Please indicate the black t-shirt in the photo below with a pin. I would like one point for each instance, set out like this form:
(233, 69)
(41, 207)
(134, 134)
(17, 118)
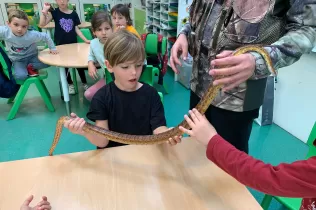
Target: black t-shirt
(65, 27)
(137, 113)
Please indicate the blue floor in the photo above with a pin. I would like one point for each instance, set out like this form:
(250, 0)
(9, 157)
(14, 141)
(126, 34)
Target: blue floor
(30, 134)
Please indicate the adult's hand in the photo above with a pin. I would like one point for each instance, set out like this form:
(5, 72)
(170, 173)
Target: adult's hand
(235, 69)
(180, 47)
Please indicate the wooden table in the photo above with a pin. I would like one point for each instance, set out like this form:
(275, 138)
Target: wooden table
(51, 25)
(128, 177)
(70, 56)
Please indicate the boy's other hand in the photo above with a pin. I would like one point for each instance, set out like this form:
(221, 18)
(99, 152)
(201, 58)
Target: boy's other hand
(175, 140)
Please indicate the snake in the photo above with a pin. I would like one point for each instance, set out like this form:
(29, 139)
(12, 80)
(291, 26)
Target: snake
(163, 137)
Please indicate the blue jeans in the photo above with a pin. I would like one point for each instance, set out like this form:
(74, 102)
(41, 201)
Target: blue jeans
(20, 71)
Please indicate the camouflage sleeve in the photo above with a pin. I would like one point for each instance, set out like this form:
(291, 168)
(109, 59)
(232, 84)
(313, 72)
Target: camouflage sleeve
(299, 39)
(186, 29)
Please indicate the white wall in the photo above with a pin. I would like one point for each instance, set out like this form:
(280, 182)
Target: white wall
(295, 97)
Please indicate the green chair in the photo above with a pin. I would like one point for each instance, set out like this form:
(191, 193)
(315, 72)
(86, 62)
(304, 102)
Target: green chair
(152, 49)
(24, 85)
(34, 21)
(28, 8)
(161, 96)
(87, 33)
(71, 7)
(148, 75)
(293, 203)
(88, 11)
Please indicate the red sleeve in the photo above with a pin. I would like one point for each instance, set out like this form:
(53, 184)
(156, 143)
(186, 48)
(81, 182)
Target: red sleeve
(289, 180)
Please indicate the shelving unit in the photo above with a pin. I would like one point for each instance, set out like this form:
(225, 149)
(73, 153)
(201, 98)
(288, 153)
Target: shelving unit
(162, 18)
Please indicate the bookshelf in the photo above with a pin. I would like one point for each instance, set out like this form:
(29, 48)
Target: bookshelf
(162, 18)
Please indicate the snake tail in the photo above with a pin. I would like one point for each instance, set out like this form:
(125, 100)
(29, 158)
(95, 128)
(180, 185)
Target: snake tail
(58, 131)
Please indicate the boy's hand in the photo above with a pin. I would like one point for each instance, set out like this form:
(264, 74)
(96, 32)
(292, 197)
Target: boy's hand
(202, 130)
(54, 52)
(92, 70)
(46, 8)
(43, 205)
(75, 124)
(175, 140)
(87, 41)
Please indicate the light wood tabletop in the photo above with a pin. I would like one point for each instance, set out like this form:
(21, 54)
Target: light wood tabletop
(70, 56)
(129, 177)
(51, 25)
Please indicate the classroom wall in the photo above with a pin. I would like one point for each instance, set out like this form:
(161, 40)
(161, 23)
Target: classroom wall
(140, 20)
(295, 97)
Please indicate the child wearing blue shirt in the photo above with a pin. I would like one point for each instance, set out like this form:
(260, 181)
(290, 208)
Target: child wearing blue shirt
(102, 29)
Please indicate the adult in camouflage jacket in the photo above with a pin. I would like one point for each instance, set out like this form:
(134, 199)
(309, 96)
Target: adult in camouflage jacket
(286, 29)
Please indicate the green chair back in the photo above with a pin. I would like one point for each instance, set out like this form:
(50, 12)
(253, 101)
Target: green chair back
(151, 44)
(3, 63)
(28, 8)
(148, 75)
(87, 33)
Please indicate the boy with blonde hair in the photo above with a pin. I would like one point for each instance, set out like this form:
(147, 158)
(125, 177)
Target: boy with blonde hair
(124, 105)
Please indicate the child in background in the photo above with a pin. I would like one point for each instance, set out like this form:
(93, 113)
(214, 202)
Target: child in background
(121, 18)
(66, 31)
(287, 180)
(102, 29)
(22, 45)
(124, 105)
(43, 205)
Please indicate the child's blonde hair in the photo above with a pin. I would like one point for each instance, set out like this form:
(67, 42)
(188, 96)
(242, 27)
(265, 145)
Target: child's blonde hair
(123, 46)
(16, 13)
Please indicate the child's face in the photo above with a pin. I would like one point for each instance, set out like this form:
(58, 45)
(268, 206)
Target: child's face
(62, 4)
(126, 74)
(118, 20)
(103, 32)
(18, 26)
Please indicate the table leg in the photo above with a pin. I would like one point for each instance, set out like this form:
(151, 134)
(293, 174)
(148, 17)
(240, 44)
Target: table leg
(64, 85)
